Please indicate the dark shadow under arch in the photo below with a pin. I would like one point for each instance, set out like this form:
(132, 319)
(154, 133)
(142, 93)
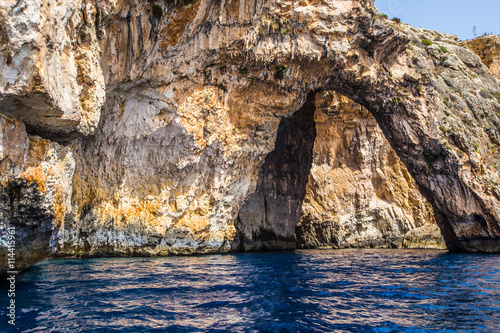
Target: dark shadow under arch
(267, 220)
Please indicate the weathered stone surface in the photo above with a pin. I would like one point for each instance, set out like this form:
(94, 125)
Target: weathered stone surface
(268, 218)
(35, 192)
(488, 49)
(359, 193)
(427, 236)
(195, 94)
(165, 179)
(50, 75)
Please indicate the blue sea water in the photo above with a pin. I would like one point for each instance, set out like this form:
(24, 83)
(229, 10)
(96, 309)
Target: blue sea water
(301, 291)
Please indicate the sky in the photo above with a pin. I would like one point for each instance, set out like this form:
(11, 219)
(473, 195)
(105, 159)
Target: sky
(455, 17)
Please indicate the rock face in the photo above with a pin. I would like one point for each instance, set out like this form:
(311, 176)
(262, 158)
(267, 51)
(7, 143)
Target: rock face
(35, 192)
(268, 218)
(50, 76)
(359, 193)
(195, 92)
(488, 49)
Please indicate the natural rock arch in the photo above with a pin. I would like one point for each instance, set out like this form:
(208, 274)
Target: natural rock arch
(465, 204)
(409, 94)
(431, 102)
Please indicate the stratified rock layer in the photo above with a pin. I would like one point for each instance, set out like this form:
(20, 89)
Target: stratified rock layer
(195, 93)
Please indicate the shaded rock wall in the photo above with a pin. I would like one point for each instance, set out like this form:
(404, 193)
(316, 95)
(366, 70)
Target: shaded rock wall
(268, 218)
(35, 193)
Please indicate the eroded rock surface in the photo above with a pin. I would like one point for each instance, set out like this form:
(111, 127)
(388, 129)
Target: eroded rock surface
(195, 92)
(35, 193)
(50, 75)
(359, 194)
(488, 49)
(268, 218)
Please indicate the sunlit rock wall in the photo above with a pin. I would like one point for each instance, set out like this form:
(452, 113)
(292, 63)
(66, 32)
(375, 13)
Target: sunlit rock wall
(488, 49)
(359, 193)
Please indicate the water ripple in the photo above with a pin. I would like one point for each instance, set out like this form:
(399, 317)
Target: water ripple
(302, 291)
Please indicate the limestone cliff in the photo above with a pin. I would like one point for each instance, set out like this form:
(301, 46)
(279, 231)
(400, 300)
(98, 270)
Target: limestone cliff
(170, 109)
(35, 192)
(50, 77)
(488, 49)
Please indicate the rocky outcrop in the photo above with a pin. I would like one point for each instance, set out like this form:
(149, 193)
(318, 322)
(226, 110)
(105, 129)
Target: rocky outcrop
(195, 92)
(50, 76)
(488, 49)
(35, 193)
(359, 193)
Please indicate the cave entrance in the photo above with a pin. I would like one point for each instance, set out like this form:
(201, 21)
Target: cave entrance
(267, 220)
